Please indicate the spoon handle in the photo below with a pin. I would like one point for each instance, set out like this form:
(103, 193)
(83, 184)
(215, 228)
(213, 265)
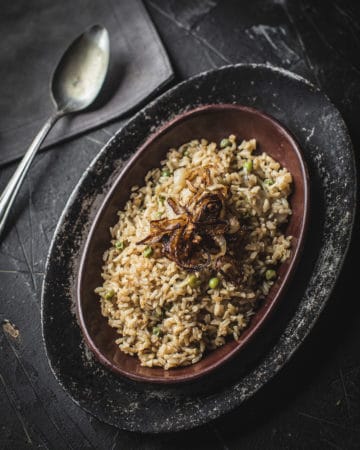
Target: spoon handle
(9, 194)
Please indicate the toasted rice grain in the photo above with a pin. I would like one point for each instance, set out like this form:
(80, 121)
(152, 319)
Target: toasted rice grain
(158, 316)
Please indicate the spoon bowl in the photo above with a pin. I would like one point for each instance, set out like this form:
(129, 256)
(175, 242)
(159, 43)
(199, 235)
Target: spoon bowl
(81, 72)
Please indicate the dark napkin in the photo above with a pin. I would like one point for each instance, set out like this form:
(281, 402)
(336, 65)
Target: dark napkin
(33, 37)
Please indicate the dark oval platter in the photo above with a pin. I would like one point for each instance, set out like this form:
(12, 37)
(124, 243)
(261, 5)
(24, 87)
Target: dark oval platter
(322, 136)
(212, 122)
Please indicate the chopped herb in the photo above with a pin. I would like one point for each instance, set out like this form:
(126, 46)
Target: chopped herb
(186, 150)
(165, 173)
(214, 283)
(120, 245)
(161, 199)
(248, 166)
(156, 331)
(270, 274)
(159, 214)
(110, 294)
(148, 252)
(193, 281)
(269, 182)
(225, 143)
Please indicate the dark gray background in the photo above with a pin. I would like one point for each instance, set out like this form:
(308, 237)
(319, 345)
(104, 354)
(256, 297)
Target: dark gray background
(33, 37)
(315, 401)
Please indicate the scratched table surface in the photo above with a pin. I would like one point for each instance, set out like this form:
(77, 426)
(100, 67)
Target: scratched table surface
(314, 403)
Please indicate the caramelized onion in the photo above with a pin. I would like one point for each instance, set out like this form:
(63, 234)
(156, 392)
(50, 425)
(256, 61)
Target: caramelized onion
(200, 235)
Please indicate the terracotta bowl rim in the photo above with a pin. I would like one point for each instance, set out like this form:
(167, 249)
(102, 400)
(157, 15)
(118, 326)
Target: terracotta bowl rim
(251, 330)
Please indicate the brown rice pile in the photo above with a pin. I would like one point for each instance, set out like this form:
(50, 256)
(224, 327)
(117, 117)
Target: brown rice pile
(148, 298)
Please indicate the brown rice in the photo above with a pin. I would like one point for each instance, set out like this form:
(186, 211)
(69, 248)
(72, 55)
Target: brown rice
(158, 315)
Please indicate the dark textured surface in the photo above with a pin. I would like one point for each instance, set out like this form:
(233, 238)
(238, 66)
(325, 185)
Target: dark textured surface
(314, 402)
(33, 41)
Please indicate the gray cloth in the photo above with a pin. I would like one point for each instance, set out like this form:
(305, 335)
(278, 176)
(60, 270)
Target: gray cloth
(34, 35)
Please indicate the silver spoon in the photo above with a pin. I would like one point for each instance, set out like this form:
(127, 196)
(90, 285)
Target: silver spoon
(76, 83)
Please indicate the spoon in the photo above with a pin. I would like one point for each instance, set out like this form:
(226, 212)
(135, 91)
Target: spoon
(76, 83)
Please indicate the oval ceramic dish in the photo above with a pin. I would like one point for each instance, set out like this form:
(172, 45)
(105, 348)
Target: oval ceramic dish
(148, 407)
(212, 122)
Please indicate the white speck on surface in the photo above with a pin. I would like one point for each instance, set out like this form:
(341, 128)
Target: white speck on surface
(274, 36)
(311, 134)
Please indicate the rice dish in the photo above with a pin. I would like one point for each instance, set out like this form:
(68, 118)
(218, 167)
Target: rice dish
(174, 298)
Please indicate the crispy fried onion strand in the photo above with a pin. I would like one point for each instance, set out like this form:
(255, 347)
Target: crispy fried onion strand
(200, 234)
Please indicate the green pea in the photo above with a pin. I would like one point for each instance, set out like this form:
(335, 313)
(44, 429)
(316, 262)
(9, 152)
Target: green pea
(156, 331)
(120, 245)
(186, 152)
(269, 182)
(110, 294)
(214, 283)
(225, 143)
(248, 166)
(165, 173)
(270, 274)
(193, 281)
(148, 252)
